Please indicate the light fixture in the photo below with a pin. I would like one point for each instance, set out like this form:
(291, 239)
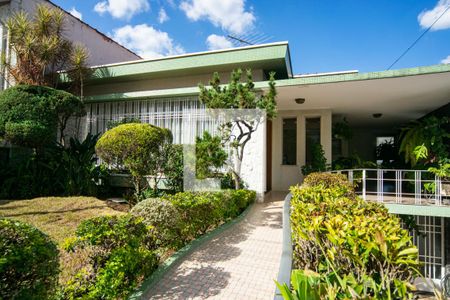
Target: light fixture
(377, 115)
(299, 100)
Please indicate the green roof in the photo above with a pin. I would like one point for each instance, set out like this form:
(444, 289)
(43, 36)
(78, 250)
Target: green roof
(345, 77)
(306, 80)
(268, 57)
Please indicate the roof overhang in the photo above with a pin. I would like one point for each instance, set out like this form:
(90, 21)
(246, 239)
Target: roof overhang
(399, 95)
(268, 57)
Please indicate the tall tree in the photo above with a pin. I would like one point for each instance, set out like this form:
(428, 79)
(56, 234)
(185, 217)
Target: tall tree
(239, 94)
(38, 48)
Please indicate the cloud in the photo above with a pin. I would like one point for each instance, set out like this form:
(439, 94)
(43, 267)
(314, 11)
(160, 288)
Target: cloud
(162, 16)
(427, 17)
(446, 60)
(121, 9)
(216, 42)
(147, 41)
(76, 13)
(230, 15)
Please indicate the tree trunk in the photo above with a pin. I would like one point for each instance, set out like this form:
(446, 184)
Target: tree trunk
(237, 171)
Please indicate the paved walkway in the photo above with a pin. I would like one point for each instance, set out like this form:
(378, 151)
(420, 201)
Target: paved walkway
(240, 263)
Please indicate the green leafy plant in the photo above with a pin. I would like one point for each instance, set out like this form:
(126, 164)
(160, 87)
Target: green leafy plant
(306, 284)
(141, 148)
(210, 156)
(430, 133)
(121, 253)
(442, 171)
(342, 130)
(357, 247)
(82, 176)
(318, 162)
(29, 264)
(239, 95)
(174, 169)
(352, 162)
(55, 170)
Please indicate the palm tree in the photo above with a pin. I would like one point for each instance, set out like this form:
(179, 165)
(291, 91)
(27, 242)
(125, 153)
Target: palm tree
(39, 48)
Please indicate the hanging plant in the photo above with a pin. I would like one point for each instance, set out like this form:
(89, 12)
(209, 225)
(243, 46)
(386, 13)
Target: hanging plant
(342, 130)
(430, 133)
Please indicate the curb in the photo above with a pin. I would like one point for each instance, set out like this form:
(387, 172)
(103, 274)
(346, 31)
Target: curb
(284, 272)
(182, 253)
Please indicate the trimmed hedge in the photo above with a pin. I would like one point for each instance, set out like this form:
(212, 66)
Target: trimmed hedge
(29, 264)
(180, 218)
(357, 248)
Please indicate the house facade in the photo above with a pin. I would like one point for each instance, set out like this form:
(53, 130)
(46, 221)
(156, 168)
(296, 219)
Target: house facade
(164, 91)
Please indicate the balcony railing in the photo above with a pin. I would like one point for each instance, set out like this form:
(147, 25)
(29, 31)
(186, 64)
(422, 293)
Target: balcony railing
(414, 187)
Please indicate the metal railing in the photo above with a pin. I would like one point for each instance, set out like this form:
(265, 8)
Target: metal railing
(416, 187)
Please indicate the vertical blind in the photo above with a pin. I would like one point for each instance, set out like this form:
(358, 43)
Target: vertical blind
(170, 113)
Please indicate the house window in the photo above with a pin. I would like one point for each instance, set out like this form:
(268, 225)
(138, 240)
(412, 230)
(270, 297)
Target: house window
(312, 126)
(384, 139)
(289, 141)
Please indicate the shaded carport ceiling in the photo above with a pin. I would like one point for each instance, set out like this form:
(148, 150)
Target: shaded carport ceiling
(398, 98)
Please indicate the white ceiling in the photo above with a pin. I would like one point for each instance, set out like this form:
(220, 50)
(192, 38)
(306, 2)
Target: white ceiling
(399, 99)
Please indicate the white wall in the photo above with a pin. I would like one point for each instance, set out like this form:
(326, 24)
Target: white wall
(254, 163)
(102, 49)
(284, 176)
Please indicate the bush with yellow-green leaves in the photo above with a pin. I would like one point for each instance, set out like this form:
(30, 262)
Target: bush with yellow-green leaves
(349, 248)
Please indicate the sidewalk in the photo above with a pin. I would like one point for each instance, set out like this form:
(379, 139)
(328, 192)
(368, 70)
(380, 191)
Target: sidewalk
(240, 263)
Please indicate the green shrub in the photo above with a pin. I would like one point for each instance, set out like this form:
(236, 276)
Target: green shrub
(164, 217)
(122, 254)
(30, 115)
(210, 156)
(141, 148)
(357, 247)
(330, 181)
(180, 218)
(174, 169)
(29, 264)
(54, 170)
(199, 212)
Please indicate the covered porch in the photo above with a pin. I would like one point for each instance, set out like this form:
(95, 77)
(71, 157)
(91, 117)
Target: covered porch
(374, 105)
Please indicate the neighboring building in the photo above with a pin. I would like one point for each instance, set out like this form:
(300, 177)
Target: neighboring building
(102, 49)
(375, 104)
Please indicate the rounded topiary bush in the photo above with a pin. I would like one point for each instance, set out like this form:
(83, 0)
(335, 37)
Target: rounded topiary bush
(29, 264)
(139, 148)
(30, 115)
(132, 144)
(164, 218)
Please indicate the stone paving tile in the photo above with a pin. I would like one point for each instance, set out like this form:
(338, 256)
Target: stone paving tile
(240, 263)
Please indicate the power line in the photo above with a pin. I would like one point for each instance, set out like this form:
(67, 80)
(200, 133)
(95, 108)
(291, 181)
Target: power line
(418, 39)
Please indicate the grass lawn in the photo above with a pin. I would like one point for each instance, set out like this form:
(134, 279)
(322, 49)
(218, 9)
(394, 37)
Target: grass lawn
(56, 216)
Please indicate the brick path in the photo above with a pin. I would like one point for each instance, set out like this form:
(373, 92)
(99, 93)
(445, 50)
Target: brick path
(240, 263)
